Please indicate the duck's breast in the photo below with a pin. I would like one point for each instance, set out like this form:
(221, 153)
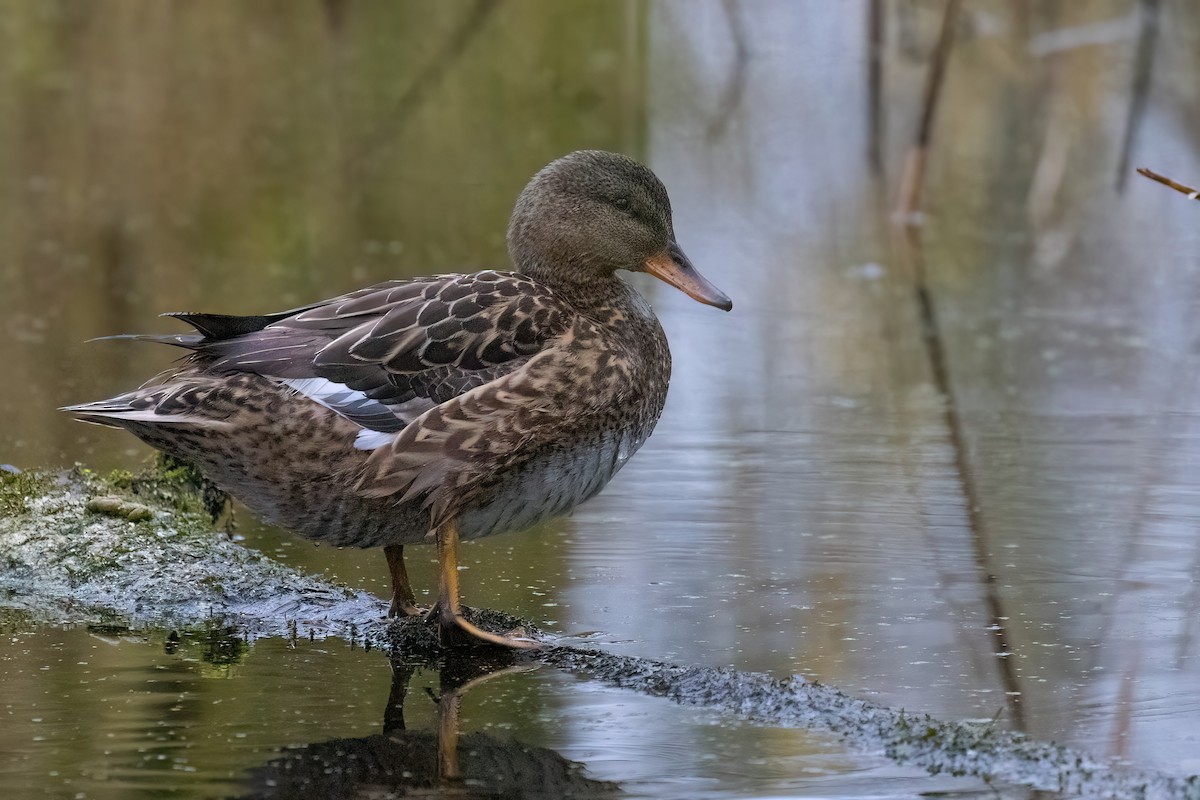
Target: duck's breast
(551, 483)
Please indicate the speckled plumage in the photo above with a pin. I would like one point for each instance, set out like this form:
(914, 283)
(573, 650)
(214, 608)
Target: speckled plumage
(516, 430)
(492, 400)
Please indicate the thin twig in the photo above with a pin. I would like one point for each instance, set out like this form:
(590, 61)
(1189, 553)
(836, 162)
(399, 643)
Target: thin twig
(1192, 194)
(911, 245)
(1142, 73)
(452, 49)
(731, 94)
(430, 76)
(335, 15)
(913, 179)
(876, 21)
(931, 335)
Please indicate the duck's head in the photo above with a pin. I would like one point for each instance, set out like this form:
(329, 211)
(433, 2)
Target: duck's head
(590, 213)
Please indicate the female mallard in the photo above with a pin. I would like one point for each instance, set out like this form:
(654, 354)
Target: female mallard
(441, 408)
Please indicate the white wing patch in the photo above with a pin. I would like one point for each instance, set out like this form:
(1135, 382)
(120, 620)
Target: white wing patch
(380, 422)
(320, 389)
(373, 440)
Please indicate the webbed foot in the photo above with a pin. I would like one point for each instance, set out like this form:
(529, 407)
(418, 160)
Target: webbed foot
(455, 630)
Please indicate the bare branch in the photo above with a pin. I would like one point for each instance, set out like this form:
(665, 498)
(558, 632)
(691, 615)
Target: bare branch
(1192, 194)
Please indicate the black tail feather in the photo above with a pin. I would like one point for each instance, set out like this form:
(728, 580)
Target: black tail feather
(217, 327)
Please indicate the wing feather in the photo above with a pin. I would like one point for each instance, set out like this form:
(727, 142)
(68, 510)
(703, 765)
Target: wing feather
(429, 339)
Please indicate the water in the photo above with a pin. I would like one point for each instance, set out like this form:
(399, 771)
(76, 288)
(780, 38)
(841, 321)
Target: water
(800, 508)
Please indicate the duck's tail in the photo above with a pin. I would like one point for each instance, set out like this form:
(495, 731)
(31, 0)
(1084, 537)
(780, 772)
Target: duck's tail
(210, 328)
(174, 404)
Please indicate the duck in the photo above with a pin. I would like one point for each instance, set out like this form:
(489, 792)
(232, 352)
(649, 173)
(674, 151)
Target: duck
(439, 409)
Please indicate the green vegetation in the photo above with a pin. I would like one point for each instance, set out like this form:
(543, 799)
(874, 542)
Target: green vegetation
(16, 488)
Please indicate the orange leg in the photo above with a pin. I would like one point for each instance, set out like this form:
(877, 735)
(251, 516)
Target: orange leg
(404, 602)
(453, 627)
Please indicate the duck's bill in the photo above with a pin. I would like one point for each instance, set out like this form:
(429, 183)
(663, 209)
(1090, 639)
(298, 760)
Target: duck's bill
(673, 267)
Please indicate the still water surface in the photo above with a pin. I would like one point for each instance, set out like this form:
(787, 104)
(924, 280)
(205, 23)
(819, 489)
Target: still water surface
(800, 508)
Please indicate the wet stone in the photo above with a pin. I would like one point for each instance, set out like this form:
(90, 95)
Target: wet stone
(117, 507)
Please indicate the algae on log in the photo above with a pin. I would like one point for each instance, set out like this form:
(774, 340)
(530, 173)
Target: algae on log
(141, 551)
(79, 547)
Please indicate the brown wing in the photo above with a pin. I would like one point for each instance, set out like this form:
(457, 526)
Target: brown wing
(383, 355)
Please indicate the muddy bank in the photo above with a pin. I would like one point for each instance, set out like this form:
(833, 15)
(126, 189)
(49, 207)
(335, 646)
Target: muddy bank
(141, 552)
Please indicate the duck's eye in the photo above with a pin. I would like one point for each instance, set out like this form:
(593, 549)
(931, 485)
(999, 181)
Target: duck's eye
(622, 203)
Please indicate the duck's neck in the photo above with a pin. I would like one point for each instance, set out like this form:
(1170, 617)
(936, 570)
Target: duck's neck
(602, 291)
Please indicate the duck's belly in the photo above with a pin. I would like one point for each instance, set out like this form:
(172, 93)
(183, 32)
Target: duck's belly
(306, 489)
(550, 484)
(298, 468)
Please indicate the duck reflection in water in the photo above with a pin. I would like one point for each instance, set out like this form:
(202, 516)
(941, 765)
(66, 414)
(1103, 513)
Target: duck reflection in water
(404, 763)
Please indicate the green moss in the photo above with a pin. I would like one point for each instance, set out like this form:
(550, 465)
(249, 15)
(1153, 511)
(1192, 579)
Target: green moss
(169, 486)
(120, 479)
(16, 488)
(176, 484)
(213, 582)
